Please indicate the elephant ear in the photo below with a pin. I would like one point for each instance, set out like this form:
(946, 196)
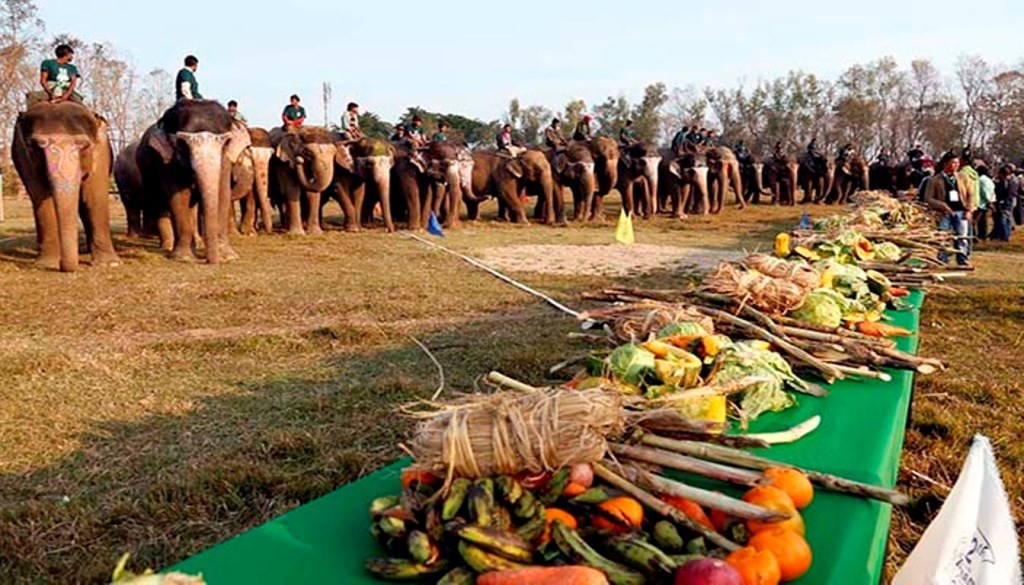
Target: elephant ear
(160, 142)
(343, 157)
(238, 141)
(286, 149)
(515, 169)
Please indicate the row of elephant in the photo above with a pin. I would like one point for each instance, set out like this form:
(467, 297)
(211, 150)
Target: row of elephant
(182, 178)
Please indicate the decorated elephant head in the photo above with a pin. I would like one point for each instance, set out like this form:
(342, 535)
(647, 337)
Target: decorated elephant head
(310, 152)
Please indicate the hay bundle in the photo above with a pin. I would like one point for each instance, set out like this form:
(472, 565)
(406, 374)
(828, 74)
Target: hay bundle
(638, 322)
(510, 432)
(800, 274)
(774, 295)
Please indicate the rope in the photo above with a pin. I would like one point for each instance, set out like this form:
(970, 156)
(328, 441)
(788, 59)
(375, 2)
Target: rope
(498, 275)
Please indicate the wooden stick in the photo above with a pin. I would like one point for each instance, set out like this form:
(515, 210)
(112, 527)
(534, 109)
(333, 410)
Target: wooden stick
(503, 380)
(864, 372)
(662, 508)
(815, 335)
(750, 461)
(679, 462)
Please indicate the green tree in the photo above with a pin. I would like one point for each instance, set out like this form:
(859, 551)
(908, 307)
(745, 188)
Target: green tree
(572, 114)
(647, 114)
(373, 126)
(612, 114)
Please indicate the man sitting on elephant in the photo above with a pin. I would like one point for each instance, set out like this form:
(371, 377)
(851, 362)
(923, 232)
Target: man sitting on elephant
(583, 132)
(235, 114)
(293, 115)
(627, 137)
(553, 138)
(742, 153)
(59, 77)
(399, 136)
(442, 133)
(185, 85)
(679, 139)
(350, 123)
(414, 133)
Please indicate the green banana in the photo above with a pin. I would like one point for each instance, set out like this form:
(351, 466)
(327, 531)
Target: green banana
(393, 527)
(509, 489)
(482, 561)
(553, 489)
(383, 504)
(458, 576)
(433, 524)
(533, 528)
(499, 542)
(502, 519)
(403, 569)
(640, 555)
(592, 496)
(574, 547)
(527, 506)
(667, 537)
(481, 502)
(456, 497)
(421, 548)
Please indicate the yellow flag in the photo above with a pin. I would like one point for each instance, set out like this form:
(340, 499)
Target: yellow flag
(624, 231)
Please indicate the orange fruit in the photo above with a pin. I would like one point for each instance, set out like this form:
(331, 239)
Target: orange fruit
(692, 509)
(619, 515)
(793, 482)
(573, 489)
(411, 475)
(757, 567)
(776, 500)
(552, 514)
(789, 548)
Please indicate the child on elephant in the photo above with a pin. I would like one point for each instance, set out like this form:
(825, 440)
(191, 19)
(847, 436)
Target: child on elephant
(293, 115)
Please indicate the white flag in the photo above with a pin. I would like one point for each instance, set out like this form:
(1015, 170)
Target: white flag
(972, 541)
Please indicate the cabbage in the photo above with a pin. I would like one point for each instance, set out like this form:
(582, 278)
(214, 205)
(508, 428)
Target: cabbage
(683, 329)
(630, 363)
(888, 252)
(821, 309)
(742, 360)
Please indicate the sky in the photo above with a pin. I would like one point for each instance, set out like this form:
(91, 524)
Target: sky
(473, 57)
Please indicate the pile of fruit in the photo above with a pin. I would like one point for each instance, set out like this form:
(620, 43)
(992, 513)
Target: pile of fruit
(567, 528)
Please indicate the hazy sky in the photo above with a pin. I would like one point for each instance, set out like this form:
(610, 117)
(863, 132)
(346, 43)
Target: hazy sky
(472, 57)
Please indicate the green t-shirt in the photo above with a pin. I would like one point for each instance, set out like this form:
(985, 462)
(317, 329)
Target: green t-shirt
(293, 113)
(186, 76)
(59, 75)
(440, 137)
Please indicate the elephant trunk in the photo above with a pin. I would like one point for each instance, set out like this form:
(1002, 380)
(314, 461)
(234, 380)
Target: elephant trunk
(794, 174)
(554, 204)
(700, 179)
(453, 192)
(323, 173)
(588, 187)
(206, 151)
(759, 178)
(64, 171)
(261, 169)
(243, 175)
(381, 179)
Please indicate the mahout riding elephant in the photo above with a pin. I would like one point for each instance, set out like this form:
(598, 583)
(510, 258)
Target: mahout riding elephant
(679, 174)
(606, 155)
(815, 177)
(301, 169)
(574, 168)
(185, 160)
(62, 154)
(507, 178)
(425, 183)
(723, 170)
(128, 178)
(780, 176)
(752, 175)
(850, 176)
(638, 169)
(258, 155)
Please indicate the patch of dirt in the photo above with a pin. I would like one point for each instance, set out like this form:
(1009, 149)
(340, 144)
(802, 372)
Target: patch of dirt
(606, 260)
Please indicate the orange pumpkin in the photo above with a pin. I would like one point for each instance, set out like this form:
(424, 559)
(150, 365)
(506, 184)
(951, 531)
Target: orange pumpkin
(776, 500)
(411, 475)
(790, 550)
(619, 515)
(757, 567)
(692, 510)
(794, 482)
(552, 514)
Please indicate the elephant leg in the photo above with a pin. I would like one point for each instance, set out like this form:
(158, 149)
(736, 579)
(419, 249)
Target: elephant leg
(45, 211)
(248, 205)
(95, 210)
(225, 219)
(233, 220)
(184, 226)
(472, 210)
(680, 200)
(313, 226)
(348, 207)
(579, 213)
(628, 203)
(294, 212)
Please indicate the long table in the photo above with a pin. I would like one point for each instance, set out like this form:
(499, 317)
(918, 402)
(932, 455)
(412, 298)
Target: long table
(861, 437)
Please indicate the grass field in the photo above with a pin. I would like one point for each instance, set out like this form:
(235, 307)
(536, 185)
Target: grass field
(160, 408)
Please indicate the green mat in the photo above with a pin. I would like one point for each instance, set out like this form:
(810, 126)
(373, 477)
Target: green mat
(861, 437)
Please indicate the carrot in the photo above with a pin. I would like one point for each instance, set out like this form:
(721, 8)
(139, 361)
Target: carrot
(882, 330)
(896, 291)
(565, 575)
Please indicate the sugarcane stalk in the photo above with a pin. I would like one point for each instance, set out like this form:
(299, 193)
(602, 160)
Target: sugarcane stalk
(864, 372)
(714, 500)
(815, 335)
(789, 321)
(745, 309)
(790, 435)
(751, 461)
(671, 460)
(829, 372)
(506, 382)
(660, 507)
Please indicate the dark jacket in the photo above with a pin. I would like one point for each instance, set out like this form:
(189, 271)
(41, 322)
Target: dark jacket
(936, 193)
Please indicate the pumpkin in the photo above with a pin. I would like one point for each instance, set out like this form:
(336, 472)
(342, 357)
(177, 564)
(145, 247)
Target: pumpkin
(757, 567)
(790, 550)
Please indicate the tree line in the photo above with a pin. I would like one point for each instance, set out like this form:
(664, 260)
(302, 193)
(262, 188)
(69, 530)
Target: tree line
(874, 105)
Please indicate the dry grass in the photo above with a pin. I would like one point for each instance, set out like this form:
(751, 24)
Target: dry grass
(161, 408)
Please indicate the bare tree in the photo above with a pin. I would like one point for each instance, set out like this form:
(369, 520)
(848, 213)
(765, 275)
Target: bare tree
(154, 96)
(20, 34)
(974, 77)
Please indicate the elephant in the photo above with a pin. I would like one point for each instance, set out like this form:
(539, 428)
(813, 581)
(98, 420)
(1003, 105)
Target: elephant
(574, 168)
(882, 176)
(679, 173)
(752, 174)
(129, 188)
(723, 169)
(62, 154)
(780, 176)
(850, 175)
(815, 177)
(428, 183)
(606, 155)
(507, 178)
(638, 168)
(258, 155)
(185, 160)
(301, 169)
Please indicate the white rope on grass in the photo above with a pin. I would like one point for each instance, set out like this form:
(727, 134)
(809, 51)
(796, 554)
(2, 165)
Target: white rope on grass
(498, 275)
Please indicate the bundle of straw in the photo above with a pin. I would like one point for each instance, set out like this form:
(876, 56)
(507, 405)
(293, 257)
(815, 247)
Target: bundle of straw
(775, 295)
(510, 432)
(800, 274)
(638, 322)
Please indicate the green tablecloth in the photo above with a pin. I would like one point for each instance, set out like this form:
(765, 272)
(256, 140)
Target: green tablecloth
(861, 437)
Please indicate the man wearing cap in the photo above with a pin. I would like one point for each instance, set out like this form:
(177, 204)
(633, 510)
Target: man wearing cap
(582, 133)
(553, 136)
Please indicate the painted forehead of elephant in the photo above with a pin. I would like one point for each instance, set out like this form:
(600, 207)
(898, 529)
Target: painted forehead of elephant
(62, 118)
(197, 116)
